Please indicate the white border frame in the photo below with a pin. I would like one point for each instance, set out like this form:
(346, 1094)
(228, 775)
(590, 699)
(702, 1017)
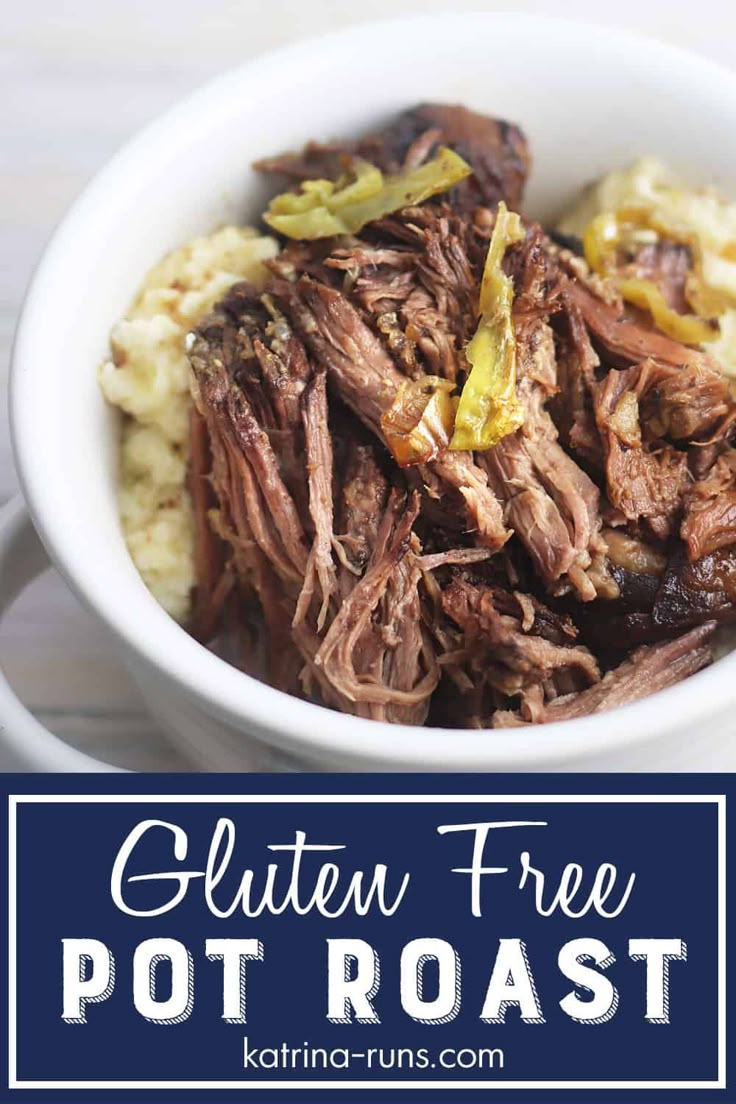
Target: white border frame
(14, 800)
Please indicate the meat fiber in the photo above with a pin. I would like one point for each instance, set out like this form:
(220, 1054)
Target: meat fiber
(311, 582)
(709, 521)
(367, 381)
(421, 291)
(572, 405)
(626, 339)
(649, 669)
(641, 482)
(506, 637)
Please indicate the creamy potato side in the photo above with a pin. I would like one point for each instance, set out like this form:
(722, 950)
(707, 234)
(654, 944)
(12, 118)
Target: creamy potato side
(700, 212)
(147, 377)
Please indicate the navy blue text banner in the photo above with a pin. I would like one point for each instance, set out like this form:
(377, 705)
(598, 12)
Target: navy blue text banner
(516, 937)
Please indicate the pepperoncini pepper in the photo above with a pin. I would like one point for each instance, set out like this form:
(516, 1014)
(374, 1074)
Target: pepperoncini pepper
(489, 409)
(608, 232)
(325, 208)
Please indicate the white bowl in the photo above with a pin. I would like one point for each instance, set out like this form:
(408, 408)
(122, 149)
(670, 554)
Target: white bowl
(589, 99)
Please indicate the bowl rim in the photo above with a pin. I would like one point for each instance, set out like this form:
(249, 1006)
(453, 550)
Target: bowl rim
(289, 723)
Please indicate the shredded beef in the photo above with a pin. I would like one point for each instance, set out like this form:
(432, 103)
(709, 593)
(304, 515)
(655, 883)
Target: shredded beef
(496, 150)
(626, 339)
(317, 160)
(320, 565)
(382, 668)
(572, 406)
(367, 380)
(550, 502)
(641, 482)
(421, 292)
(579, 564)
(649, 669)
(692, 403)
(691, 592)
(502, 641)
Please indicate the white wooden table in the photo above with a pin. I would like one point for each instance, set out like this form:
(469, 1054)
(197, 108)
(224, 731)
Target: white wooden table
(78, 78)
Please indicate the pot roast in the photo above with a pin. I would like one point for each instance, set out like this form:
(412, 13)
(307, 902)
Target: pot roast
(349, 551)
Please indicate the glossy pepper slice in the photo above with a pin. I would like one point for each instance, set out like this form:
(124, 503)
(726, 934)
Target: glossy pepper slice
(325, 208)
(688, 328)
(489, 409)
(608, 232)
(418, 425)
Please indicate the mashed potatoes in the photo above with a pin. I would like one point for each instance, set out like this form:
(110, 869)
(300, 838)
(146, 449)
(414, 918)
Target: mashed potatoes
(148, 378)
(701, 213)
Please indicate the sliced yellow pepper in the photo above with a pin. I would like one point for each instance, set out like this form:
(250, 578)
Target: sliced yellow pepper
(601, 239)
(612, 229)
(418, 425)
(325, 208)
(489, 409)
(688, 328)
